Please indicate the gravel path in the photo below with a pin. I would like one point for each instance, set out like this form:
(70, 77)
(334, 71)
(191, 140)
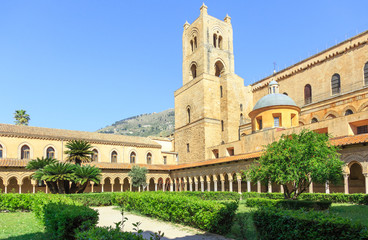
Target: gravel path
(109, 215)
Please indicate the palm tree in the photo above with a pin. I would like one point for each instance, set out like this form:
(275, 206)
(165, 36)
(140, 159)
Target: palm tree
(79, 151)
(59, 173)
(84, 174)
(21, 117)
(38, 164)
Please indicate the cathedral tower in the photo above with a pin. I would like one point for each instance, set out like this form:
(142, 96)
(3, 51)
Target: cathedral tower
(208, 105)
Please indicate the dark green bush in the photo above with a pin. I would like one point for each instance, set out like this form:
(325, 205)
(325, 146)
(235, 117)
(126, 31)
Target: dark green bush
(273, 223)
(63, 220)
(358, 198)
(94, 199)
(207, 215)
(288, 204)
(106, 233)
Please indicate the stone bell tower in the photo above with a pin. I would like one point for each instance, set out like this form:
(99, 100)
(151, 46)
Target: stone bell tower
(207, 105)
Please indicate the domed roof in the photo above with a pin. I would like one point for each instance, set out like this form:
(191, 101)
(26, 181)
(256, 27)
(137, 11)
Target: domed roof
(273, 82)
(274, 99)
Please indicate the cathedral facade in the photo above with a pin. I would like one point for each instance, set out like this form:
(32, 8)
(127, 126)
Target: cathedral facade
(221, 126)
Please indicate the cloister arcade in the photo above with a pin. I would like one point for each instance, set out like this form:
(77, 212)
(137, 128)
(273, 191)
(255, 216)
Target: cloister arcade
(226, 177)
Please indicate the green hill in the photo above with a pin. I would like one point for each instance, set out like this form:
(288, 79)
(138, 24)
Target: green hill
(150, 124)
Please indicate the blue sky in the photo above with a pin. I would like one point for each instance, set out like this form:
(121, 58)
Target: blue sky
(85, 64)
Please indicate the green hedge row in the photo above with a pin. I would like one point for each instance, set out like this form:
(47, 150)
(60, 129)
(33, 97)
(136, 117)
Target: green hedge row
(358, 198)
(106, 233)
(63, 221)
(288, 204)
(273, 223)
(203, 214)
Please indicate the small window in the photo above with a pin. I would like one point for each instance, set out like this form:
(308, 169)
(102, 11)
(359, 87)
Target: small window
(25, 152)
(241, 107)
(259, 123)
(214, 40)
(222, 125)
(94, 155)
(188, 150)
(241, 118)
(50, 152)
(165, 160)
(348, 112)
(219, 68)
(307, 94)
(366, 74)
(230, 151)
(1, 151)
(195, 42)
(285, 93)
(191, 45)
(188, 114)
(276, 121)
(220, 42)
(335, 84)
(221, 91)
(362, 129)
(193, 69)
(215, 153)
(114, 157)
(149, 158)
(314, 120)
(132, 157)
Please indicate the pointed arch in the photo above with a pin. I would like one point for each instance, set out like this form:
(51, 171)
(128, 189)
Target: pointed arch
(307, 94)
(219, 68)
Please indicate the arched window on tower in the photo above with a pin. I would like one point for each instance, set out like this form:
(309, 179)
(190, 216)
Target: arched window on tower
(366, 74)
(220, 42)
(222, 125)
(219, 68)
(314, 120)
(195, 42)
(335, 84)
(188, 114)
(215, 40)
(114, 157)
(1, 151)
(221, 94)
(348, 112)
(25, 152)
(94, 155)
(241, 118)
(193, 69)
(149, 158)
(132, 157)
(50, 152)
(307, 94)
(191, 45)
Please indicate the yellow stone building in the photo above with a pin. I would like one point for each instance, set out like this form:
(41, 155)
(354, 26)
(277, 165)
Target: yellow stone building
(221, 125)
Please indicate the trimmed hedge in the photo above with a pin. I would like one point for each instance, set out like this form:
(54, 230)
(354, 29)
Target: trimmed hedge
(203, 214)
(106, 233)
(288, 204)
(273, 223)
(94, 199)
(63, 220)
(215, 196)
(358, 198)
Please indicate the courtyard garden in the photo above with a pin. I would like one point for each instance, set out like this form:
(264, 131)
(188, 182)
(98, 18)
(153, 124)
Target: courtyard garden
(245, 216)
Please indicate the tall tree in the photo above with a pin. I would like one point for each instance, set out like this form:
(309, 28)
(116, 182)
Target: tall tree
(138, 176)
(296, 160)
(79, 152)
(21, 117)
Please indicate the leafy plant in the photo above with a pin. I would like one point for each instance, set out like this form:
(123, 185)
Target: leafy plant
(79, 151)
(138, 176)
(21, 117)
(295, 161)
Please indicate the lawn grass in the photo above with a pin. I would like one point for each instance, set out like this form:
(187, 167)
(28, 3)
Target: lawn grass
(20, 225)
(357, 213)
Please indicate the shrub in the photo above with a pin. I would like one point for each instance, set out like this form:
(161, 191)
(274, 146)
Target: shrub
(358, 198)
(15, 201)
(216, 196)
(288, 204)
(94, 199)
(206, 215)
(63, 220)
(273, 223)
(107, 233)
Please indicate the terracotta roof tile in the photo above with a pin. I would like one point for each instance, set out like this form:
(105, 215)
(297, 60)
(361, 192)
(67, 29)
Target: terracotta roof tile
(349, 140)
(51, 133)
(13, 163)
